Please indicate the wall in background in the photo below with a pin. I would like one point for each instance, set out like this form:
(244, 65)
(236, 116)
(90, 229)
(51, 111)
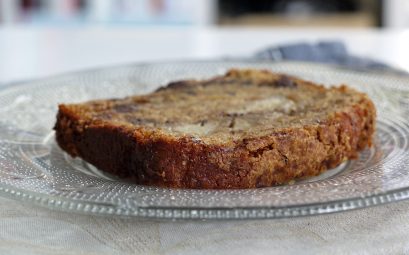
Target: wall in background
(396, 13)
(116, 12)
(345, 13)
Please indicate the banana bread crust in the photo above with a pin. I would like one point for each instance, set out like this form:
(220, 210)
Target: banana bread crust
(151, 156)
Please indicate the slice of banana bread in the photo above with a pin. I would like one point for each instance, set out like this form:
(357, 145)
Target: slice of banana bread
(246, 129)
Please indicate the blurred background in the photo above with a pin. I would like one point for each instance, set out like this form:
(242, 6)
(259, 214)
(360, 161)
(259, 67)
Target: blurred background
(305, 13)
(45, 37)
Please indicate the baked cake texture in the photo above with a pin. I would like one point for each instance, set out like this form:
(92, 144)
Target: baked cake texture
(245, 129)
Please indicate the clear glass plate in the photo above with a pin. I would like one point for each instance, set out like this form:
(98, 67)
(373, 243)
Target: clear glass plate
(33, 169)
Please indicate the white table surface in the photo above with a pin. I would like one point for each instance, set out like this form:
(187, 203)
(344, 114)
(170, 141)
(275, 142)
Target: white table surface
(39, 52)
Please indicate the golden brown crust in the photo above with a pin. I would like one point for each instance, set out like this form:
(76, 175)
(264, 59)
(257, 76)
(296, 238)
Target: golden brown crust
(153, 156)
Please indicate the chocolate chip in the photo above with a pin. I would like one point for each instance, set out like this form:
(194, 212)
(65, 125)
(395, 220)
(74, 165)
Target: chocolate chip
(285, 81)
(233, 117)
(232, 122)
(203, 122)
(176, 85)
(219, 81)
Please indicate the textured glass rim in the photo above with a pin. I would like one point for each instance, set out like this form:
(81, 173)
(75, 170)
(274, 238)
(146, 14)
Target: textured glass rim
(221, 213)
(211, 213)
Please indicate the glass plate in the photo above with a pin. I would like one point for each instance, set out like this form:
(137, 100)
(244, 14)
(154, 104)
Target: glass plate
(33, 169)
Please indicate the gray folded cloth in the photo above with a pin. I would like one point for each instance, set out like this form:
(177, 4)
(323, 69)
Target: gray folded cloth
(333, 52)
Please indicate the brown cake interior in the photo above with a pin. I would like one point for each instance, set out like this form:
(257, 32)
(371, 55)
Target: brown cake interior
(224, 109)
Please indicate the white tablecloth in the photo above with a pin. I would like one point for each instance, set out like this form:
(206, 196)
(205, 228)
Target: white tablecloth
(25, 229)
